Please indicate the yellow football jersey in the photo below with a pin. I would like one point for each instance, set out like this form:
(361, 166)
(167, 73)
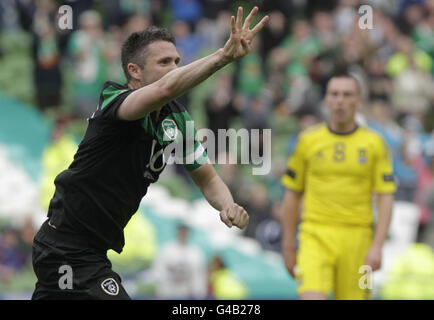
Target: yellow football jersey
(338, 173)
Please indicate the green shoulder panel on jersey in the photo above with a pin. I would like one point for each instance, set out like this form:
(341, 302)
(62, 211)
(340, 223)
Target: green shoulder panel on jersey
(109, 93)
(148, 125)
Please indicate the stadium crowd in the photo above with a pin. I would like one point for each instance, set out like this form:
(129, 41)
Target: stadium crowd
(278, 86)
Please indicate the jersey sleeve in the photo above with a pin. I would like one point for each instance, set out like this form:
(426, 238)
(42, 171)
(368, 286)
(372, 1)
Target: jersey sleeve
(294, 176)
(194, 154)
(111, 98)
(383, 177)
(196, 157)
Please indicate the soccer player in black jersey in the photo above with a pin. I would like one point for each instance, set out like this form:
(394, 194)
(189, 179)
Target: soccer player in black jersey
(121, 155)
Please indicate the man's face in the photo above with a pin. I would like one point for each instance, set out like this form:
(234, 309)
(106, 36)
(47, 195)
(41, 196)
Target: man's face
(161, 57)
(342, 99)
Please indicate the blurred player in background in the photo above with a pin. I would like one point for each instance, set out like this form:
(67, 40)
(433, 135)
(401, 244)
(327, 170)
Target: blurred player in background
(121, 155)
(180, 269)
(336, 167)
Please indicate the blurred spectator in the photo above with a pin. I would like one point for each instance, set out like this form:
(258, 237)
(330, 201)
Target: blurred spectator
(135, 6)
(87, 48)
(188, 44)
(356, 46)
(269, 231)
(113, 55)
(287, 7)
(313, 6)
(412, 274)
(79, 7)
(345, 15)
(219, 109)
(411, 15)
(423, 35)
(134, 23)
(259, 208)
(212, 8)
(256, 112)
(413, 84)
(424, 164)
(12, 259)
(222, 283)
(381, 120)
(214, 32)
(56, 157)
(250, 73)
(189, 11)
(180, 269)
(301, 45)
(408, 57)
(301, 90)
(47, 74)
(9, 16)
(27, 233)
(380, 85)
(273, 33)
(324, 29)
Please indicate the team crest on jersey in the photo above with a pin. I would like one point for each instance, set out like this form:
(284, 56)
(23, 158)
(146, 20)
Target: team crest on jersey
(362, 156)
(319, 156)
(170, 129)
(110, 286)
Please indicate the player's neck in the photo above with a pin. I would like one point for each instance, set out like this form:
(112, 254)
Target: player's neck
(342, 128)
(134, 84)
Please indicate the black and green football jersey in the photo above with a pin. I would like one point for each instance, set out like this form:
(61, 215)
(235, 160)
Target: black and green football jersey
(115, 163)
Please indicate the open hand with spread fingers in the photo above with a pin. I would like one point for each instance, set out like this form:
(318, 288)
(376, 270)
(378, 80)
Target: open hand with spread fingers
(241, 37)
(234, 215)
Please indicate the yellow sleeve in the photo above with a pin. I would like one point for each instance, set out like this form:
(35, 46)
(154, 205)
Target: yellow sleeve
(383, 178)
(294, 176)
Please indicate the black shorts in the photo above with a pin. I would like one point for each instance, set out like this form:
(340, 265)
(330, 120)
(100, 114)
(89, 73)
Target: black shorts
(71, 270)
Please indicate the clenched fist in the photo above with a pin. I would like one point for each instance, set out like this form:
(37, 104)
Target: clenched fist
(234, 215)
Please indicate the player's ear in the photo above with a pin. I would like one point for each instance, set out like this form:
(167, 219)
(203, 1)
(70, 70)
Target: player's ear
(134, 70)
(360, 101)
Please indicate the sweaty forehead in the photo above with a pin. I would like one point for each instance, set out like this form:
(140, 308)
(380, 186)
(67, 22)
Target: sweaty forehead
(159, 49)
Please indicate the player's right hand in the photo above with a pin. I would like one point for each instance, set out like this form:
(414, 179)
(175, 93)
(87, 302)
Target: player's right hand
(241, 37)
(234, 215)
(290, 258)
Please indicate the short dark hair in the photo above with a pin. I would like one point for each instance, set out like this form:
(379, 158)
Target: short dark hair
(132, 49)
(347, 74)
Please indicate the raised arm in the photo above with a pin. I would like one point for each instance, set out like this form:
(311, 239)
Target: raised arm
(178, 81)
